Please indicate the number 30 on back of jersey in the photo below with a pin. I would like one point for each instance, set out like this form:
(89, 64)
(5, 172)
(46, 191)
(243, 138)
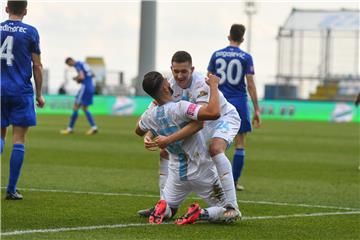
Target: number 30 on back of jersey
(226, 71)
(6, 50)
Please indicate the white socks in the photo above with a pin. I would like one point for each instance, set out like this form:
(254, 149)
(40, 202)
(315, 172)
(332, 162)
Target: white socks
(224, 170)
(163, 174)
(213, 213)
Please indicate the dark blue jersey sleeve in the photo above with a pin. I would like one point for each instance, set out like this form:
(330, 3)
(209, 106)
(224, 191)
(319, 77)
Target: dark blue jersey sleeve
(212, 65)
(249, 66)
(35, 44)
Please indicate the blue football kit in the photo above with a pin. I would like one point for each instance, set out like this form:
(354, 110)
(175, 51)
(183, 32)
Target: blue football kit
(231, 64)
(86, 93)
(84, 97)
(18, 42)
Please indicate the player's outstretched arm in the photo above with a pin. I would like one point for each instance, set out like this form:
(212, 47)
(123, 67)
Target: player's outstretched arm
(37, 70)
(253, 94)
(190, 129)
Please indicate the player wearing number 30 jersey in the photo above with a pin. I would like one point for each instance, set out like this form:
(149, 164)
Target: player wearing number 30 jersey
(233, 65)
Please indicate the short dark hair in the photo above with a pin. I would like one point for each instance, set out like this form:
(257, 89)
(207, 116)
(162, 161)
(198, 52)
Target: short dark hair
(237, 32)
(152, 83)
(181, 57)
(68, 59)
(16, 7)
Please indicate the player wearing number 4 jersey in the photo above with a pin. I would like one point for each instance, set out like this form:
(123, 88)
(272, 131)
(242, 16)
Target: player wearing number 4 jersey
(232, 65)
(20, 56)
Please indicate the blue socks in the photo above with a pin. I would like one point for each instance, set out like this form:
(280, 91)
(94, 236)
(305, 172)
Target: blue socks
(2, 145)
(90, 118)
(75, 115)
(16, 161)
(73, 118)
(238, 163)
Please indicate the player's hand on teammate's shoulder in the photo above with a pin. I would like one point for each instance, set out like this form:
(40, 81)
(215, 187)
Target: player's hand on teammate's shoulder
(40, 101)
(212, 79)
(162, 141)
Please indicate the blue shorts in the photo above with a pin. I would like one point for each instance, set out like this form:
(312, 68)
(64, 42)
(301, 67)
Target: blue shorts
(85, 96)
(17, 111)
(242, 107)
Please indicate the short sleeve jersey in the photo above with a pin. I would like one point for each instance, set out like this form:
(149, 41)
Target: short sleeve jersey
(186, 155)
(231, 64)
(84, 67)
(18, 42)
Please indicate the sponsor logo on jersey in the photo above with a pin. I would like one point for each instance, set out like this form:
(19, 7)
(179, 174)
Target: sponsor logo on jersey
(191, 109)
(202, 94)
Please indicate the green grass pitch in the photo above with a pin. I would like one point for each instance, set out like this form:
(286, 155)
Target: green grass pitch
(301, 179)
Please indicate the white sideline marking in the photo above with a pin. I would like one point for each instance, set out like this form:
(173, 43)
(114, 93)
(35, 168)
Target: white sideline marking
(21, 232)
(51, 230)
(156, 196)
(302, 215)
(299, 205)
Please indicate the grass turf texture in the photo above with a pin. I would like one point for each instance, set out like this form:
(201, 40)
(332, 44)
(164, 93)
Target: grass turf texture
(312, 163)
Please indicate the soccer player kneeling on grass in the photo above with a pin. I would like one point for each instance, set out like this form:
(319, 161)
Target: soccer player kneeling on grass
(190, 166)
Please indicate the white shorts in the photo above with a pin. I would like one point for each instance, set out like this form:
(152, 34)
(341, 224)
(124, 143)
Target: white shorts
(226, 127)
(207, 186)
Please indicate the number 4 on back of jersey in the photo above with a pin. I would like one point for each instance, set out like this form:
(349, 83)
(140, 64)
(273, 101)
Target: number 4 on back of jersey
(6, 50)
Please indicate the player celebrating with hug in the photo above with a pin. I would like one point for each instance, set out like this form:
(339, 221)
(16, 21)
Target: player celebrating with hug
(190, 165)
(190, 86)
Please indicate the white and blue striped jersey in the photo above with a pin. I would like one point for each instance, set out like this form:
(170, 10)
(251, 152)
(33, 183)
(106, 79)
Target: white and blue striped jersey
(189, 158)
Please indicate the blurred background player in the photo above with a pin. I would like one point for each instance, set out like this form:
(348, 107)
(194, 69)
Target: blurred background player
(84, 97)
(232, 65)
(20, 56)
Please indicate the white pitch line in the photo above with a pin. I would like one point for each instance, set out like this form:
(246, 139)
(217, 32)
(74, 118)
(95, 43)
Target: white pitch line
(21, 232)
(156, 196)
(85, 228)
(299, 205)
(302, 215)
